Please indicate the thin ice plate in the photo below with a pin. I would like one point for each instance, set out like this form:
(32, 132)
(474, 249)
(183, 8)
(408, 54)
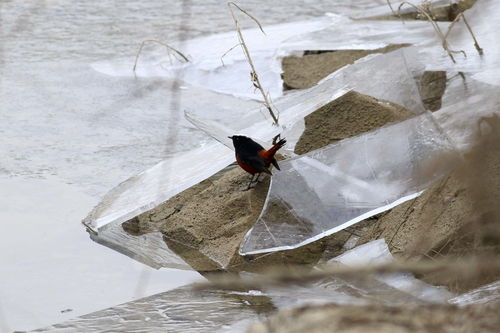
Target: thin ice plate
(329, 189)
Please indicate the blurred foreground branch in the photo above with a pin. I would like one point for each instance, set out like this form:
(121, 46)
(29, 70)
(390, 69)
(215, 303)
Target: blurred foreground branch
(465, 268)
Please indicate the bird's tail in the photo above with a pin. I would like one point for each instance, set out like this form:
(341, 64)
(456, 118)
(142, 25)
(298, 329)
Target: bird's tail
(275, 148)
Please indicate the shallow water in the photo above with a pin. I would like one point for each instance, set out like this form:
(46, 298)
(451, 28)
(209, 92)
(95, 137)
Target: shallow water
(50, 270)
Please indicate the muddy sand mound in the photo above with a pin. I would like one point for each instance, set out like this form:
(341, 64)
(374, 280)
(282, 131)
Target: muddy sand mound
(206, 223)
(349, 115)
(306, 71)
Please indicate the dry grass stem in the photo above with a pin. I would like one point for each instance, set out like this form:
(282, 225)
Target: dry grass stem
(461, 15)
(436, 27)
(465, 267)
(225, 53)
(253, 74)
(169, 47)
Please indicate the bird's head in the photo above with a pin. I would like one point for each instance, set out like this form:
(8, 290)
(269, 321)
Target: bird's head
(238, 140)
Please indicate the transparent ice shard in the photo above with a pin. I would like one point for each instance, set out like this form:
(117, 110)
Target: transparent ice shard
(149, 249)
(157, 184)
(465, 104)
(396, 83)
(486, 294)
(377, 253)
(388, 76)
(218, 131)
(185, 310)
(329, 189)
(145, 191)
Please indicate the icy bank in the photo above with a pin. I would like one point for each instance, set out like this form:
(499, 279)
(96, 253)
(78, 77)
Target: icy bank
(185, 310)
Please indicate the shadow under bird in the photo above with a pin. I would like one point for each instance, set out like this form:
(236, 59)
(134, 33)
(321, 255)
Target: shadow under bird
(253, 158)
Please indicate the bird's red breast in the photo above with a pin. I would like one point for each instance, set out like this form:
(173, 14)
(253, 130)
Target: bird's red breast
(246, 167)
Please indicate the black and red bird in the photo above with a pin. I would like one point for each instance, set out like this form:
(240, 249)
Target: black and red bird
(253, 158)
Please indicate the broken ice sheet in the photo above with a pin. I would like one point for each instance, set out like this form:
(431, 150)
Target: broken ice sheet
(377, 253)
(395, 83)
(217, 131)
(175, 174)
(329, 189)
(145, 191)
(331, 32)
(486, 294)
(466, 103)
(388, 289)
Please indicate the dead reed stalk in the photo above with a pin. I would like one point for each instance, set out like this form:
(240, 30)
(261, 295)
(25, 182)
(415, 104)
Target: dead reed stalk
(424, 10)
(253, 73)
(436, 27)
(390, 6)
(461, 15)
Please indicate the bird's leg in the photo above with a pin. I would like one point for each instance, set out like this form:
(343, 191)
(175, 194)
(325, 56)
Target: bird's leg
(250, 184)
(258, 177)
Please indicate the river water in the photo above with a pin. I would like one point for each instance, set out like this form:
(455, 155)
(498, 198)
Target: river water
(69, 134)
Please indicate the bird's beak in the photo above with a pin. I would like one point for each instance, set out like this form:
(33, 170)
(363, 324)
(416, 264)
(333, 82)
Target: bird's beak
(230, 137)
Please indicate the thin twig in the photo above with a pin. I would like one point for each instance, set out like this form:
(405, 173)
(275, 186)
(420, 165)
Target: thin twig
(253, 74)
(461, 15)
(438, 31)
(161, 43)
(390, 6)
(225, 53)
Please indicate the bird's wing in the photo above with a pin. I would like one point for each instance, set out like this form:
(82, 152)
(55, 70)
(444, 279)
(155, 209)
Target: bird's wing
(252, 147)
(255, 161)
